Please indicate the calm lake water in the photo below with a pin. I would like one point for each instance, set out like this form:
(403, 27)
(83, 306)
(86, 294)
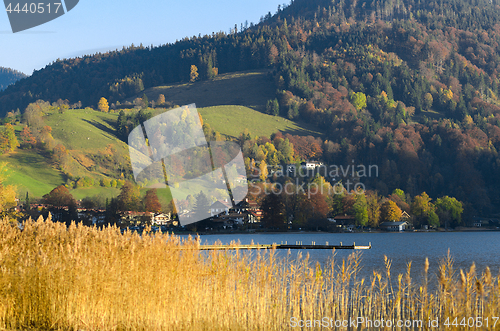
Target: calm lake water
(482, 248)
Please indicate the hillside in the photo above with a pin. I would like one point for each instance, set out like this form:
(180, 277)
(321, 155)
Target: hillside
(9, 76)
(94, 153)
(409, 86)
(88, 140)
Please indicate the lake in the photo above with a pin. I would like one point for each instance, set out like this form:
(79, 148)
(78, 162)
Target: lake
(483, 248)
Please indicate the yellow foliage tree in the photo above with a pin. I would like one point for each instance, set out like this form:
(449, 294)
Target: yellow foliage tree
(103, 105)
(468, 121)
(161, 100)
(194, 73)
(389, 211)
(263, 172)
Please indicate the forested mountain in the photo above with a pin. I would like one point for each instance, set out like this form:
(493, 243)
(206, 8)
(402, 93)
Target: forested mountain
(411, 86)
(9, 76)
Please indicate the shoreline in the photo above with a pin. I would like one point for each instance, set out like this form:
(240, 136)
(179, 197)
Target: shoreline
(439, 230)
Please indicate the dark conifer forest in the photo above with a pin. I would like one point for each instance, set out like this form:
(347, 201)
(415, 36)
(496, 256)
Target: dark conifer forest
(9, 76)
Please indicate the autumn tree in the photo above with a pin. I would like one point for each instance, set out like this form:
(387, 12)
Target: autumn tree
(318, 203)
(337, 206)
(273, 54)
(172, 207)
(177, 167)
(399, 197)
(390, 212)
(191, 201)
(103, 105)
(60, 155)
(428, 101)
(161, 100)
(46, 137)
(128, 199)
(9, 141)
(7, 192)
(27, 138)
(33, 116)
(151, 202)
(59, 197)
(194, 73)
(263, 172)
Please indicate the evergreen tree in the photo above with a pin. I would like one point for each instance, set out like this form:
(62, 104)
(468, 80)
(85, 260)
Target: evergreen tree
(121, 127)
(202, 208)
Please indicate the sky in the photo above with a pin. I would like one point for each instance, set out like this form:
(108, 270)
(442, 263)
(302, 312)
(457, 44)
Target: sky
(98, 26)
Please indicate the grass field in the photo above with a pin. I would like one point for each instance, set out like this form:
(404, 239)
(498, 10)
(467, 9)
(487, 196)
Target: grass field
(83, 129)
(105, 192)
(233, 120)
(31, 172)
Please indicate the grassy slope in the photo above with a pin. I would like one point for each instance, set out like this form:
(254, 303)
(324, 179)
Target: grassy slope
(232, 120)
(31, 172)
(85, 131)
(250, 89)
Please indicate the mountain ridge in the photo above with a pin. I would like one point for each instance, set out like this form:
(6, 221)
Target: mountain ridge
(9, 76)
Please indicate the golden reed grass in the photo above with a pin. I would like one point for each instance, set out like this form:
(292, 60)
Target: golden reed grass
(82, 278)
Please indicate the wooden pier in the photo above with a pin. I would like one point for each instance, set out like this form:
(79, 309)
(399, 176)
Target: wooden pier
(297, 245)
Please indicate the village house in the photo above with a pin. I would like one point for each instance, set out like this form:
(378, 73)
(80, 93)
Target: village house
(136, 217)
(230, 221)
(163, 219)
(311, 165)
(245, 211)
(91, 216)
(394, 226)
(219, 207)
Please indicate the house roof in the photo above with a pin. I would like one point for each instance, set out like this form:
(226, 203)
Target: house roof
(218, 205)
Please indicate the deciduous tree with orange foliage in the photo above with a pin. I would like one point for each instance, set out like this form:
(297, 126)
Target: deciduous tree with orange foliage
(390, 212)
(60, 197)
(27, 138)
(7, 192)
(151, 202)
